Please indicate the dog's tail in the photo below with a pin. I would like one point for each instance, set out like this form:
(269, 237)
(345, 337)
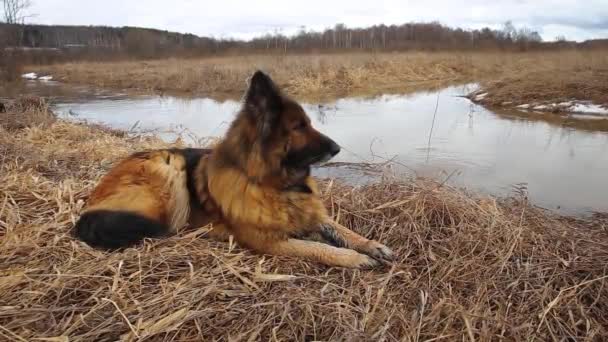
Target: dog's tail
(108, 229)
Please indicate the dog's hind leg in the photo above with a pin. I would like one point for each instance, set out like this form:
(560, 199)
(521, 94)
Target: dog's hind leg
(200, 218)
(219, 232)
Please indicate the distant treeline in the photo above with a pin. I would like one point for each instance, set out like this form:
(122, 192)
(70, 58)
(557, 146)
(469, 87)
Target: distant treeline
(97, 42)
(412, 36)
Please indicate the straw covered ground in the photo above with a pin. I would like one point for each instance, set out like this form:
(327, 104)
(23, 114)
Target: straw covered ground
(25, 111)
(469, 267)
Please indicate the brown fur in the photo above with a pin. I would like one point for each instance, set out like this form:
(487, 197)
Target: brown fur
(254, 185)
(151, 184)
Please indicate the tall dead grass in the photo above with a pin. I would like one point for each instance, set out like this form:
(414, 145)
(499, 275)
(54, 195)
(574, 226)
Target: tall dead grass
(25, 111)
(327, 75)
(304, 75)
(11, 66)
(468, 267)
(580, 76)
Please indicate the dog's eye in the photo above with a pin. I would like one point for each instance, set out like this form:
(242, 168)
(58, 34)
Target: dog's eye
(300, 125)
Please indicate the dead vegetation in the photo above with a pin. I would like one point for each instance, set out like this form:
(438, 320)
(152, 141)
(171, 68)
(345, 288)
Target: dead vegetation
(334, 75)
(11, 66)
(540, 74)
(469, 268)
(302, 75)
(572, 76)
(25, 111)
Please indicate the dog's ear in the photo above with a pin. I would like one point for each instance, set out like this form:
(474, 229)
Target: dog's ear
(263, 101)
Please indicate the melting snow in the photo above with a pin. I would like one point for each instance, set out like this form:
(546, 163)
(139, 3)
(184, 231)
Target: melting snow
(569, 106)
(481, 96)
(30, 76)
(588, 108)
(34, 76)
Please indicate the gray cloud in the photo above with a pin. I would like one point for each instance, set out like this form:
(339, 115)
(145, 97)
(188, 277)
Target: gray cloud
(243, 19)
(582, 23)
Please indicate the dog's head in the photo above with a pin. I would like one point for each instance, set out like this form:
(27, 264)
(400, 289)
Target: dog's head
(272, 138)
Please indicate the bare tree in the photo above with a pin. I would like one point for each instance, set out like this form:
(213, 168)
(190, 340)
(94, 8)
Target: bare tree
(509, 30)
(15, 11)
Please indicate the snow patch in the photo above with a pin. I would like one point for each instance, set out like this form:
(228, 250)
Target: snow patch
(588, 108)
(481, 96)
(34, 77)
(30, 76)
(574, 107)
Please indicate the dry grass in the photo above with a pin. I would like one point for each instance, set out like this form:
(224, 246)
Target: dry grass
(11, 66)
(305, 75)
(302, 75)
(333, 75)
(569, 76)
(25, 111)
(469, 268)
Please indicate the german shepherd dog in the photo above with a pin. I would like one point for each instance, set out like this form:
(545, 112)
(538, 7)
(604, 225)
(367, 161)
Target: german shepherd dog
(254, 185)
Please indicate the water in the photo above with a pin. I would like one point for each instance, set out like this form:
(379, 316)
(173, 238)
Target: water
(561, 167)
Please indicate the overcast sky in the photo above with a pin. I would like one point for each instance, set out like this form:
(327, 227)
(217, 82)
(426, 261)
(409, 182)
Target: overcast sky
(575, 19)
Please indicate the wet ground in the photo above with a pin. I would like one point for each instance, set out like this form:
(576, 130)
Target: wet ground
(562, 163)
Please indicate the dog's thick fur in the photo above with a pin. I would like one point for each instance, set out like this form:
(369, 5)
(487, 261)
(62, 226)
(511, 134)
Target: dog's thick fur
(255, 185)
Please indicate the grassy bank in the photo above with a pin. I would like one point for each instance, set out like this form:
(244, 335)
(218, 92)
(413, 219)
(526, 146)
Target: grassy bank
(321, 76)
(25, 111)
(565, 77)
(468, 267)
(303, 76)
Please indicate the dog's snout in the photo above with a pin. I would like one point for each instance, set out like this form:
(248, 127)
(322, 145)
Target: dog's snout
(333, 148)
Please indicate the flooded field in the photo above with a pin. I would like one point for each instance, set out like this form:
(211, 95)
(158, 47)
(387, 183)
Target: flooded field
(432, 134)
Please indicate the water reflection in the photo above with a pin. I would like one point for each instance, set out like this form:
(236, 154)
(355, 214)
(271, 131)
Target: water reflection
(562, 162)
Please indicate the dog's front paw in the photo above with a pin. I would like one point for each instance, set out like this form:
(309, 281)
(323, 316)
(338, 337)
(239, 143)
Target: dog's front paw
(378, 251)
(365, 262)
